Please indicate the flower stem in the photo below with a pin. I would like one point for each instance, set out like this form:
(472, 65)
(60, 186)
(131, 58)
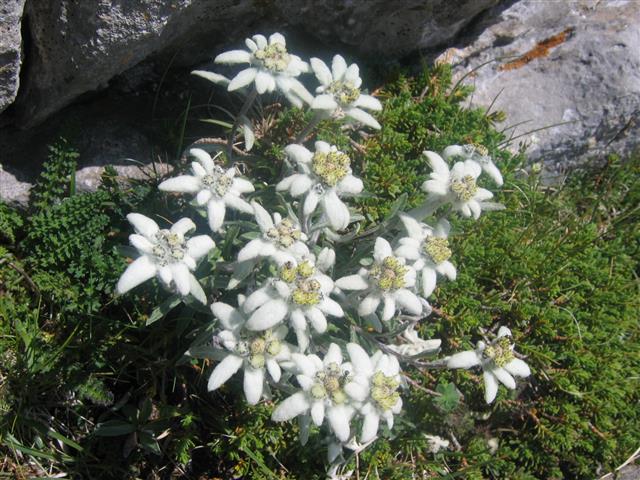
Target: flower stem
(317, 118)
(302, 218)
(425, 210)
(243, 111)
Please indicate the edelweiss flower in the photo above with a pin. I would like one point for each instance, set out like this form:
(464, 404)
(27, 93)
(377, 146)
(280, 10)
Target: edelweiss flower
(324, 177)
(216, 187)
(388, 281)
(497, 361)
(271, 67)
(340, 92)
(414, 344)
(281, 239)
(165, 253)
(323, 394)
(477, 153)
(429, 249)
(299, 293)
(374, 385)
(457, 185)
(254, 351)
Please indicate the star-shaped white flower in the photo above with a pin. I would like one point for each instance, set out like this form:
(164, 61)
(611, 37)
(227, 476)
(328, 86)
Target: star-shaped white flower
(340, 92)
(271, 68)
(497, 361)
(324, 176)
(322, 395)
(477, 153)
(374, 386)
(165, 253)
(215, 187)
(457, 186)
(281, 239)
(387, 281)
(428, 249)
(300, 293)
(255, 352)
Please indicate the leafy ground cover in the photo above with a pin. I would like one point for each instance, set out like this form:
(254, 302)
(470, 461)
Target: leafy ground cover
(95, 386)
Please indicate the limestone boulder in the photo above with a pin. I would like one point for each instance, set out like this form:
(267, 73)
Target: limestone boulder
(10, 50)
(566, 72)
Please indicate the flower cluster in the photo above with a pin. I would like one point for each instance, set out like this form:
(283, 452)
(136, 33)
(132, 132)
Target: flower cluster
(271, 67)
(165, 253)
(338, 391)
(216, 187)
(340, 95)
(388, 282)
(299, 294)
(313, 296)
(280, 238)
(456, 186)
(498, 362)
(254, 351)
(325, 176)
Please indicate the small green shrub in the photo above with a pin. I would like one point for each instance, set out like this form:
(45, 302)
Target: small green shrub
(57, 179)
(68, 245)
(11, 221)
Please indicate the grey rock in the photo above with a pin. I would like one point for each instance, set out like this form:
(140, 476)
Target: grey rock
(10, 50)
(127, 149)
(16, 192)
(571, 69)
(113, 130)
(79, 46)
(13, 191)
(380, 28)
(88, 179)
(630, 471)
